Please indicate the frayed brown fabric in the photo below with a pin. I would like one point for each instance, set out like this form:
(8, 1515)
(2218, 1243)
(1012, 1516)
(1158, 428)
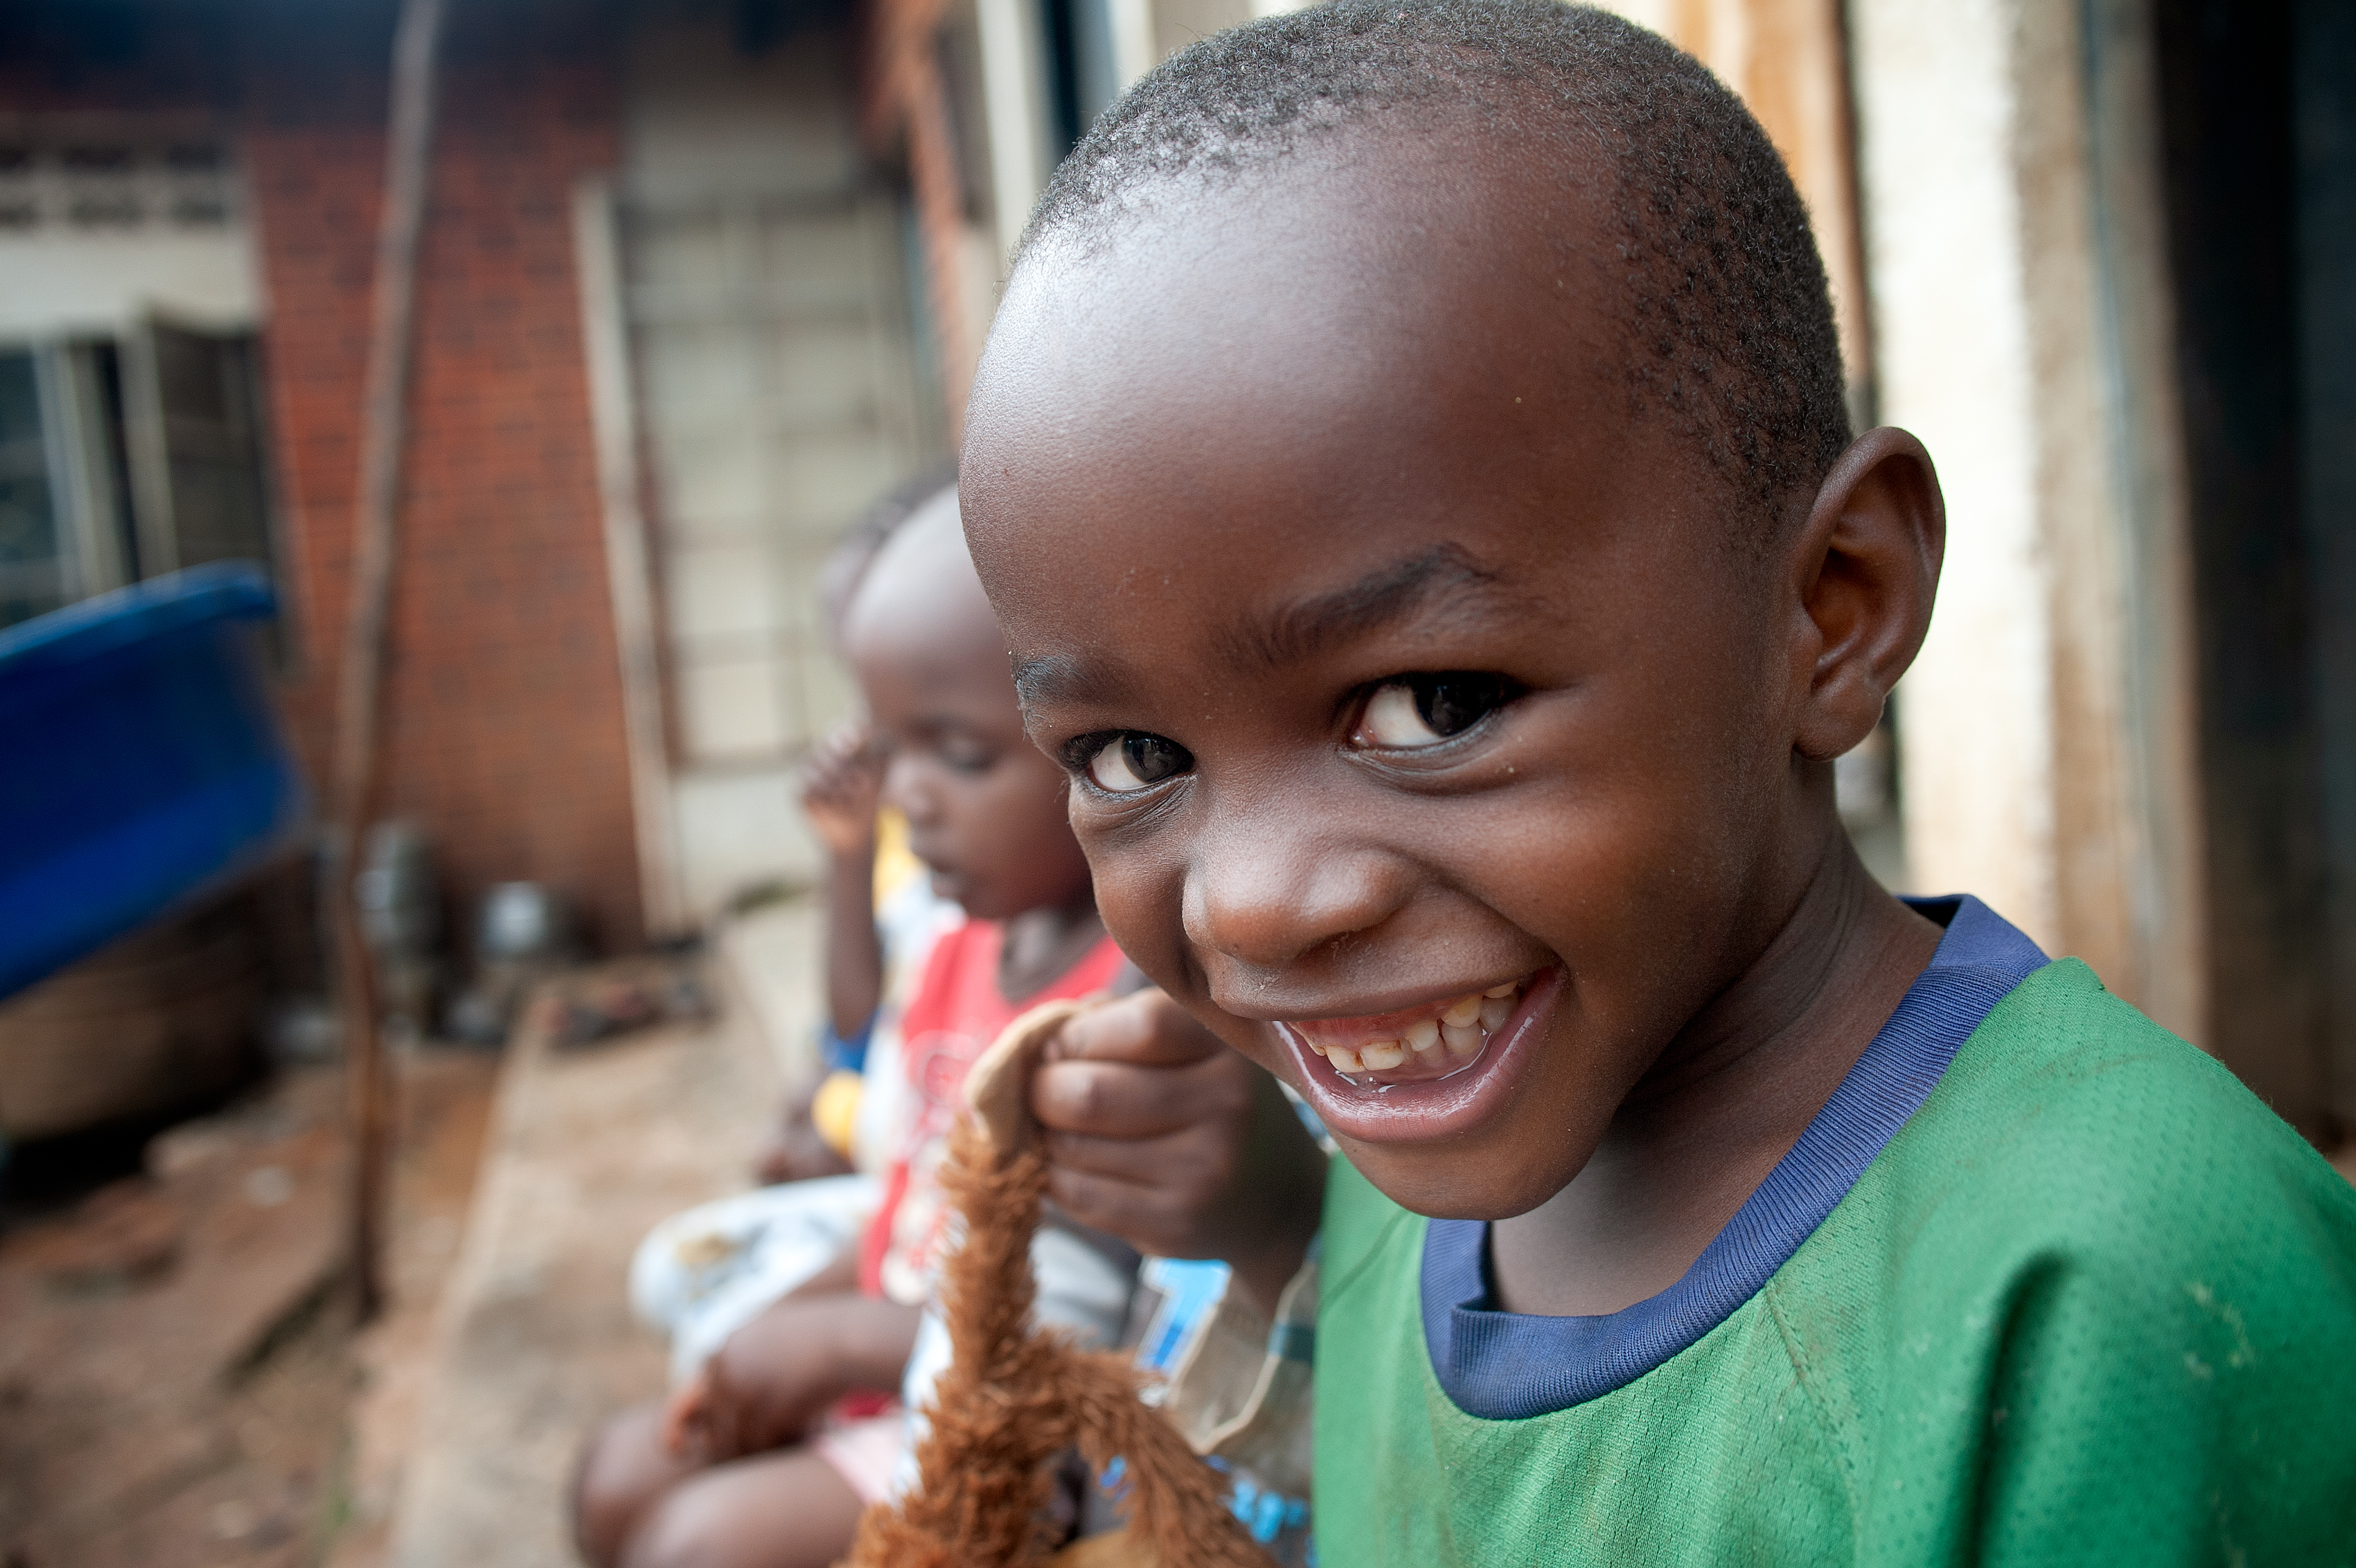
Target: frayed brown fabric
(1015, 1398)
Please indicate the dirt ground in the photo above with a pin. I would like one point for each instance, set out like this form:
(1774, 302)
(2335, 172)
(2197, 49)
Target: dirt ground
(181, 1381)
(181, 1376)
(534, 1341)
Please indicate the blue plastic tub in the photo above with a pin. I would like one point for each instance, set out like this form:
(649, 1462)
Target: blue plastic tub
(142, 762)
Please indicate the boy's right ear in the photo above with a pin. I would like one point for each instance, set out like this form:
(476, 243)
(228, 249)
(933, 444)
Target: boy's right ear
(1866, 564)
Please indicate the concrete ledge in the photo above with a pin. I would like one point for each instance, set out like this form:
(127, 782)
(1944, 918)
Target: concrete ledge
(535, 1342)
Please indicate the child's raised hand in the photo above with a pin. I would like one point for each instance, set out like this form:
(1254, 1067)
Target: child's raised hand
(841, 783)
(1161, 1135)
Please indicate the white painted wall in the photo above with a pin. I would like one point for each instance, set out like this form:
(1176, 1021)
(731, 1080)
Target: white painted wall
(103, 224)
(1014, 96)
(766, 288)
(1950, 316)
(53, 284)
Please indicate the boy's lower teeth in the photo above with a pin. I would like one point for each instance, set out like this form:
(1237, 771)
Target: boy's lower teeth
(1434, 1047)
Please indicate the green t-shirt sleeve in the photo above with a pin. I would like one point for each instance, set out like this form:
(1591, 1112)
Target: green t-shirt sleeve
(2176, 1419)
(2166, 1372)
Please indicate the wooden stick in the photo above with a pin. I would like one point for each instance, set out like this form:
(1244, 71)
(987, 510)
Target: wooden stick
(612, 419)
(940, 221)
(383, 430)
(905, 95)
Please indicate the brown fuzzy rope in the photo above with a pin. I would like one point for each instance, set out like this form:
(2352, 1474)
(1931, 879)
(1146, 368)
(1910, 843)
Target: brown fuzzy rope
(1015, 1398)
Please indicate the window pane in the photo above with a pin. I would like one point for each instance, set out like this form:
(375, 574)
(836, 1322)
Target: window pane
(32, 580)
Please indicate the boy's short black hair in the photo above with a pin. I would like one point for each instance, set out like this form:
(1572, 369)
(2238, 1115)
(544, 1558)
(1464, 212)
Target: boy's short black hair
(1725, 314)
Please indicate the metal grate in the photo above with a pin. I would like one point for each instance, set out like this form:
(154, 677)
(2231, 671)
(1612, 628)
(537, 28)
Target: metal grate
(95, 184)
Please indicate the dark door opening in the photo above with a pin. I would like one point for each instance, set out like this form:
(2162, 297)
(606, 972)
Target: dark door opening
(2259, 112)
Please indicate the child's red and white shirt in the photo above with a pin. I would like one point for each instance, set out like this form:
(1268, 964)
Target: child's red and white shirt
(955, 1013)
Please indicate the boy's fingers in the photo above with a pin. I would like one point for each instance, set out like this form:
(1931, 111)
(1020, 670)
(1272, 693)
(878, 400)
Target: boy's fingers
(1146, 1028)
(1145, 1216)
(1115, 1100)
(685, 1409)
(1185, 1171)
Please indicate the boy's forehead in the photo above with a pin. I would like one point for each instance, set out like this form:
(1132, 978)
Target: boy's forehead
(1387, 340)
(1322, 281)
(920, 600)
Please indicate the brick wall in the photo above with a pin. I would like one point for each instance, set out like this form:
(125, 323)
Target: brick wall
(505, 728)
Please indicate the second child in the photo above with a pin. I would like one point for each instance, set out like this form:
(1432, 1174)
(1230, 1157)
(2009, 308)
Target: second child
(766, 1456)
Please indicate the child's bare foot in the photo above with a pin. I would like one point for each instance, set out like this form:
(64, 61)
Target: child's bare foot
(788, 1509)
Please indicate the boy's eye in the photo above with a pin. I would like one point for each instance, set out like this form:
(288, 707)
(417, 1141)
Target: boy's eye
(962, 755)
(1132, 761)
(1424, 710)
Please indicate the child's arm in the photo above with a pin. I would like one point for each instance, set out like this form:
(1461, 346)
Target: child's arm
(1166, 1138)
(839, 794)
(770, 1381)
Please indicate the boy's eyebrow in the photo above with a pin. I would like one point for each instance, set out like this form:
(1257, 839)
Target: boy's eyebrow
(1388, 594)
(1297, 630)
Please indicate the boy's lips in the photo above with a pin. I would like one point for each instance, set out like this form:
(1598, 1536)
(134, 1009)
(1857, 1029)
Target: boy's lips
(1425, 1071)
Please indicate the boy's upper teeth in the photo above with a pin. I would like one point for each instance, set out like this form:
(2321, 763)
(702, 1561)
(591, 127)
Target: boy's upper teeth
(1450, 1031)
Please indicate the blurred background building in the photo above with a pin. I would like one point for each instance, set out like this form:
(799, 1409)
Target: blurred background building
(700, 279)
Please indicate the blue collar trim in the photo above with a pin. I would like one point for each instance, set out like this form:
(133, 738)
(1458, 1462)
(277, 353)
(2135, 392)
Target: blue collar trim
(1510, 1366)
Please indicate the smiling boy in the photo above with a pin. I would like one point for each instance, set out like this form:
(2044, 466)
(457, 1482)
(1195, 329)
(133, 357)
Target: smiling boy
(1410, 468)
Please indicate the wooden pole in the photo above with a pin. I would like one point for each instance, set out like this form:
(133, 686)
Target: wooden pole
(360, 690)
(940, 221)
(612, 418)
(905, 94)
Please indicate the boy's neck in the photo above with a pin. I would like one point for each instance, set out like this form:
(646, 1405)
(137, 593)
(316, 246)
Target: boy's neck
(1722, 1104)
(1041, 944)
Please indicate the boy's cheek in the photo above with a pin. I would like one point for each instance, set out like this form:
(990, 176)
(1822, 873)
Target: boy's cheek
(1139, 901)
(1166, 963)
(1254, 1041)
(1142, 909)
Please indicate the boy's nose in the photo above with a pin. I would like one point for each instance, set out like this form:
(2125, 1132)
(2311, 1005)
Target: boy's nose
(905, 790)
(1267, 894)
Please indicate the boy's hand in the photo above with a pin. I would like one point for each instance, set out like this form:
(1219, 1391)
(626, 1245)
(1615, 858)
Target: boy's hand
(842, 782)
(793, 1151)
(769, 1381)
(1161, 1135)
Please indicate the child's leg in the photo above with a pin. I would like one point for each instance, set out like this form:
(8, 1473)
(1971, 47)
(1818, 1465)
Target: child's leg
(785, 1510)
(624, 1469)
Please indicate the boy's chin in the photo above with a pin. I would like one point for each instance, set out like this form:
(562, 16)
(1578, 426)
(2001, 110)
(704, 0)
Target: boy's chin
(1458, 1183)
(959, 889)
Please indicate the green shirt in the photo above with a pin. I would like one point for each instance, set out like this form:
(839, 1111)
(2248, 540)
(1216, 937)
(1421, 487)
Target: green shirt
(2092, 1303)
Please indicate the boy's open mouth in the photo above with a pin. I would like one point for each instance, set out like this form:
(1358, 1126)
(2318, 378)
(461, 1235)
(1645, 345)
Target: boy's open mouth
(1417, 1045)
